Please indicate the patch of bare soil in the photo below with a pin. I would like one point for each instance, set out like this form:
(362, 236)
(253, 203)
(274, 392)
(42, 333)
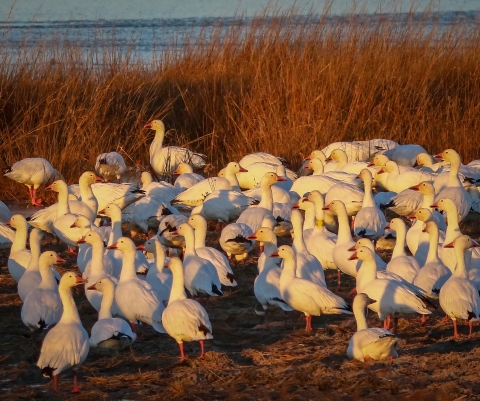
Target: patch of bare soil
(243, 361)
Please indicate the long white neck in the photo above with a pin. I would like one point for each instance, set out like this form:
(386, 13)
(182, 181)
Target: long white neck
(268, 248)
(399, 249)
(366, 273)
(158, 140)
(267, 197)
(453, 229)
(20, 240)
(461, 268)
(309, 221)
(189, 236)
(97, 268)
(288, 271)
(319, 216)
(359, 313)
(178, 286)
(200, 234)
(128, 265)
(70, 312)
(428, 200)
(107, 302)
(368, 197)
(453, 180)
(432, 256)
(232, 179)
(63, 207)
(33, 265)
(298, 242)
(48, 279)
(116, 232)
(87, 196)
(159, 255)
(344, 233)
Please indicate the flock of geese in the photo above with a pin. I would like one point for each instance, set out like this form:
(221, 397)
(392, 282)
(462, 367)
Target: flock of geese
(334, 210)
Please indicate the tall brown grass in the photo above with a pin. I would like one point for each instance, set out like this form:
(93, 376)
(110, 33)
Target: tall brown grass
(282, 85)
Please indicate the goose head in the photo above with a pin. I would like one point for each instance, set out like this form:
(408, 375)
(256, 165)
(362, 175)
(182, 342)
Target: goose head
(234, 168)
(316, 165)
(155, 125)
(336, 207)
(338, 155)
(316, 197)
(17, 221)
(378, 161)
(81, 222)
(362, 242)
(112, 210)
(103, 285)
(449, 155)
(425, 188)
(263, 234)
(422, 214)
(423, 159)
(182, 168)
(146, 178)
(123, 244)
(185, 230)
(50, 258)
(89, 178)
(363, 253)
(463, 242)
(150, 246)
(70, 279)
(445, 204)
(365, 175)
(269, 179)
(396, 224)
(389, 167)
(91, 237)
(317, 154)
(284, 252)
(58, 186)
(197, 221)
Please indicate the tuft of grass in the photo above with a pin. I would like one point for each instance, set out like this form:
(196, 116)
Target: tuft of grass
(283, 84)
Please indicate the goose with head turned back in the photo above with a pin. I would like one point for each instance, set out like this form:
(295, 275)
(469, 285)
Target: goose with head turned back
(111, 166)
(218, 259)
(401, 264)
(201, 277)
(167, 231)
(369, 222)
(426, 163)
(66, 345)
(164, 160)
(134, 297)
(318, 169)
(433, 273)
(370, 343)
(308, 266)
(109, 332)
(303, 295)
(392, 296)
(146, 214)
(455, 190)
(398, 181)
(234, 240)
(19, 254)
(186, 177)
(42, 306)
(267, 284)
(343, 164)
(185, 319)
(459, 299)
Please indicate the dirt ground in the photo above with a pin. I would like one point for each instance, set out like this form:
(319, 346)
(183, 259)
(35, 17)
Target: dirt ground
(243, 361)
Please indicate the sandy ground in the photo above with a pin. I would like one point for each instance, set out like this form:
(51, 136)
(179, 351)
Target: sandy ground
(243, 361)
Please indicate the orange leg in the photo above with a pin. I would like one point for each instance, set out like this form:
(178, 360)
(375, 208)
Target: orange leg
(470, 325)
(366, 358)
(75, 390)
(55, 383)
(338, 279)
(455, 332)
(202, 346)
(309, 323)
(446, 319)
(182, 355)
(386, 323)
(424, 319)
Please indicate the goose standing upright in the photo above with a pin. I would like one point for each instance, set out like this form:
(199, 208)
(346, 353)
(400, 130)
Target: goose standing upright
(303, 295)
(185, 319)
(109, 332)
(66, 345)
(19, 257)
(458, 297)
(31, 278)
(370, 343)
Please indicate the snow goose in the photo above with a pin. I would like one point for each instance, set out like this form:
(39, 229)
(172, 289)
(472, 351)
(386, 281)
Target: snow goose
(405, 266)
(262, 158)
(146, 214)
(218, 259)
(185, 319)
(167, 231)
(370, 343)
(186, 177)
(163, 190)
(33, 172)
(321, 183)
(433, 273)
(165, 160)
(256, 171)
(42, 306)
(316, 165)
(303, 295)
(201, 277)
(308, 266)
(361, 150)
(343, 164)
(160, 279)
(234, 240)
(5, 214)
(426, 162)
(459, 299)
(134, 297)
(66, 345)
(267, 284)
(253, 216)
(196, 194)
(110, 166)
(109, 332)
(310, 219)
(369, 222)
(392, 296)
(31, 278)
(19, 254)
(455, 190)
(87, 196)
(398, 181)
(405, 155)
(321, 242)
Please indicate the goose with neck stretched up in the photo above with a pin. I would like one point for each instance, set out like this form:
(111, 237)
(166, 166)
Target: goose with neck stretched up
(303, 295)
(185, 319)
(19, 257)
(109, 332)
(370, 343)
(459, 299)
(66, 345)
(267, 284)
(42, 307)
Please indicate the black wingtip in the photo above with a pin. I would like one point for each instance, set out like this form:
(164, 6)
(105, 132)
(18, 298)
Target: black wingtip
(239, 239)
(103, 161)
(215, 290)
(471, 315)
(48, 371)
(231, 277)
(204, 329)
(138, 191)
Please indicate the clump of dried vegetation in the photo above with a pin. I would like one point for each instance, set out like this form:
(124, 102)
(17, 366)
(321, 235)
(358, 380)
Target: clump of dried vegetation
(282, 84)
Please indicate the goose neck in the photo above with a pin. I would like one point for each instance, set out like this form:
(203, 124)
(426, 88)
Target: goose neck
(461, 269)
(309, 222)
(399, 249)
(63, 207)
(432, 255)
(178, 286)
(116, 232)
(366, 273)
(159, 255)
(344, 233)
(267, 197)
(368, 197)
(70, 312)
(190, 242)
(200, 235)
(35, 254)
(20, 240)
(453, 229)
(128, 265)
(107, 302)
(359, 313)
(453, 180)
(97, 259)
(48, 279)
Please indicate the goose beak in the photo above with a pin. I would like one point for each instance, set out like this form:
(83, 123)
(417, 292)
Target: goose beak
(475, 244)
(81, 241)
(176, 172)
(371, 301)
(74, 225)
(353, 257)
(424, 230)
(92, 287)
(243, 170)
(141, 247)
(59, 260)
(435, 205)
(358, 177)
(387, 227)
(381, 171)
(412, 216)
(328, 159)
(49, 188)
(450, 245)
(147, 126)
(439, 156)
(307, 158)
(353, 248)
(326, 207)
(80, 280)
(8, 223)
(280, 179)
(274, 254)
(101, 211)
(251, 236)
(415, 188)
(175, 232)
(307, 167)
(98, 179)
(296, 206)
(113, 246)
(416, 164)
(371, 164)
(305, 199)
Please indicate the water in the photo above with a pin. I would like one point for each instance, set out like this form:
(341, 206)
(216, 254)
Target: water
(151, 25)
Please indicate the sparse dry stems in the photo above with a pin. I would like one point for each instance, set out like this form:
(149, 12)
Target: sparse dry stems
(280, 85)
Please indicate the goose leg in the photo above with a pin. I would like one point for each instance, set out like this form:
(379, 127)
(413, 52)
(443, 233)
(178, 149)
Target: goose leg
(470, 325)
(55, 383)
(309, 323)
(424, 319)
(182, 355)
(339, 279)
(202, 346)
(395, 325)
(386, 323)
(445, 319)
(267, 327)
(75, 390)
(455, 332)
(35, 201)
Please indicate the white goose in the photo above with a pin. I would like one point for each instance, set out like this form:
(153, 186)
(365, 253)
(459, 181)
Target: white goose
(234, 240)
(146, 215)
(308, 266)
(370, 343)
(426, 162)
(405, 155)
(19, 257)
(405, 266)
(369, 222)
(186, 177)
(310, 217)
(256, 171)
(433, 274)
(398, 181)
(162, 190)
(320, 183)
(159, 278)
(317, 167)
(339, 156)
(167, 231)
(303, 295)
(218, 259)
(110, 166)
(455, 190)
(201, 277)
(267, 284)
(164, 160)
(262, 158)
(459, 299)
(5, 213)
(361, 150)
(109, 332)
(134, 297)
(42, 306)
(66, 345)
(185, 319)
(33, 172)
(392, 296)
(31, 278)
